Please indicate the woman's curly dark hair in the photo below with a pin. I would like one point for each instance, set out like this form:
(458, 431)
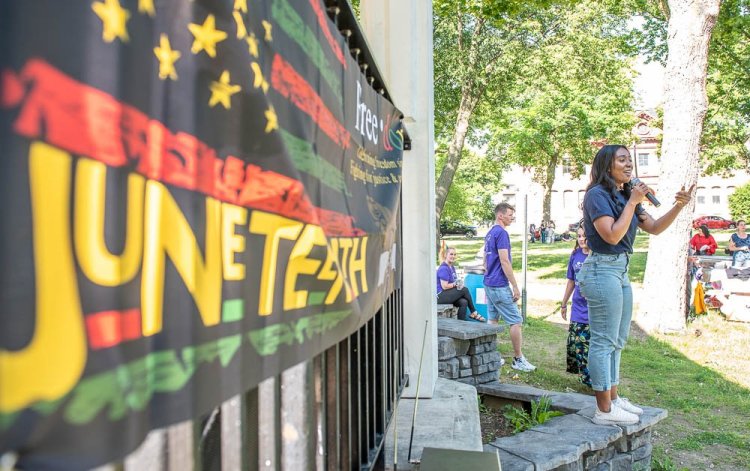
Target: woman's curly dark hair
(600, 175)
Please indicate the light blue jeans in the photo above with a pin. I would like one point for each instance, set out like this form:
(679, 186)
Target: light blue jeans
(604, 282)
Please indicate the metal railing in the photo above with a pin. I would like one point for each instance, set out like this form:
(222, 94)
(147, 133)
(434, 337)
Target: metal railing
(328, 413)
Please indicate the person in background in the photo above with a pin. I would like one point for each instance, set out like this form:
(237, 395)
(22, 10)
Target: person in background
(612, 213)
(550, 232)
(450, 291)
(739, 245)
(500, 284)
(703, 243)
(578, 330)
(532, 233)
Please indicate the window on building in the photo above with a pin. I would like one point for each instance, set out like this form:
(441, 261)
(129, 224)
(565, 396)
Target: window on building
(568, 201)
(701, 199)
(643, 160)
(716, 199)
(567, 169)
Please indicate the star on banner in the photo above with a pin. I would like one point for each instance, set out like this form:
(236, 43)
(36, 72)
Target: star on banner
(206, 36)
(259, 81)
(252, 44)
(272, 122)
(167, 57)
(268, 27)
(114, 17)
(240, 5)
(241, 29)
(222, 91)
(147, 7)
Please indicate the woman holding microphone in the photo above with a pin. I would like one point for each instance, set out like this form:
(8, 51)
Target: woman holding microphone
(612, 212)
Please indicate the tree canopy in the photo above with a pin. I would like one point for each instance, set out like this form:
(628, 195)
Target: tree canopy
(470, 195)
(533, 82)
(577, 90)
(739, 202)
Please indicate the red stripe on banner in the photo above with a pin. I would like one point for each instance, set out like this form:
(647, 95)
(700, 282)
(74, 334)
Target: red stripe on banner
(293, 86)
(109, 328)
(323, 23)
(11, 89)
(85, 121)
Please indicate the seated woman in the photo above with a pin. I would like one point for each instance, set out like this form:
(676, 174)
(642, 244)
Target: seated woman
(448, 291)
(703, 243)
(739, 245)
(532, 233)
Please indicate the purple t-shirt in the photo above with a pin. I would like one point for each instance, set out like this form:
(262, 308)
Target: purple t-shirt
(447, 273)
(497, 238)
(579, 311)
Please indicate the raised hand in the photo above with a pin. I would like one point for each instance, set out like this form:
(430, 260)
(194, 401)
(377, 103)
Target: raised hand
(683, 196)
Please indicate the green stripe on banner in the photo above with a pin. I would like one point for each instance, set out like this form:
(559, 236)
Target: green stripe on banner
(296, 28)
(315, 298)
(232, 310)
(306, 160)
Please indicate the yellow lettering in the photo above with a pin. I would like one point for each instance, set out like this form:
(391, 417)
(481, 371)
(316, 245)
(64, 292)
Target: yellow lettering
(274, 228)
(331, 271)
(168, 234)
(346, 245)
(357, 264)
(232, 242)
(97, 262)
(299, 264)
(52, 363)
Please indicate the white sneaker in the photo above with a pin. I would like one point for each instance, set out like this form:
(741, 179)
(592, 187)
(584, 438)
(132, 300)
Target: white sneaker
(627, 406)
(615, 416)
(522, 364)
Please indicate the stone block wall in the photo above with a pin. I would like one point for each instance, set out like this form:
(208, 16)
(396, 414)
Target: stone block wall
(573, 442)
(448, 311)
(467, 351)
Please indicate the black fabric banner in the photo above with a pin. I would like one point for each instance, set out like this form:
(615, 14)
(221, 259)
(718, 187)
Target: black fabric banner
(196, 195)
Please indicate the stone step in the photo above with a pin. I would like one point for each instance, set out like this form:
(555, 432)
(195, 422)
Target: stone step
(465, 330)
(568, 403)
(572, 441)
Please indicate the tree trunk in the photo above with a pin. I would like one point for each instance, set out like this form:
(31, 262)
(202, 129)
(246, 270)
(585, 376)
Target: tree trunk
(663, 305)
(549, 181)
(469, 100)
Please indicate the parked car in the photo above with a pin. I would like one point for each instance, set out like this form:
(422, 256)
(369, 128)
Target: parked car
(714, 222)
(453, 227)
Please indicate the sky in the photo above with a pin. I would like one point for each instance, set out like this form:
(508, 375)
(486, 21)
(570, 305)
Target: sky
(649, 85)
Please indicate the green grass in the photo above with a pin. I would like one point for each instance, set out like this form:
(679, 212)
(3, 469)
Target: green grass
(552, 258)
(705, 408)
(706, 394)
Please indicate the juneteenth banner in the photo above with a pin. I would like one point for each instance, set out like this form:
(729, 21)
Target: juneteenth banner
(196, 195)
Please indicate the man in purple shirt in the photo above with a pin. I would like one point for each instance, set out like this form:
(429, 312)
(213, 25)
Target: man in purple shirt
(500, 284)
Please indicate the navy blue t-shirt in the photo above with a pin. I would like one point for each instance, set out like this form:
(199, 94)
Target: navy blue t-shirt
(599, 202)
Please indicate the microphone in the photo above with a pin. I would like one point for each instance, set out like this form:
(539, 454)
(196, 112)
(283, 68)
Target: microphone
(649, 195)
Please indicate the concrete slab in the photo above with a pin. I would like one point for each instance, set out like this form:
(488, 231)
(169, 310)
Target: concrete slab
(650, 417)
(466, 330)
(543, 450)
(576, 428)
(450, 419)
(511, 462)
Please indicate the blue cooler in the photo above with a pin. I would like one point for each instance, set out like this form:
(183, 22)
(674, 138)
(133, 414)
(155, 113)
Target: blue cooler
(474, 280)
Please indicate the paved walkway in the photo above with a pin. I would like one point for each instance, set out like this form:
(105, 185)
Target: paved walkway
(450, 419)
